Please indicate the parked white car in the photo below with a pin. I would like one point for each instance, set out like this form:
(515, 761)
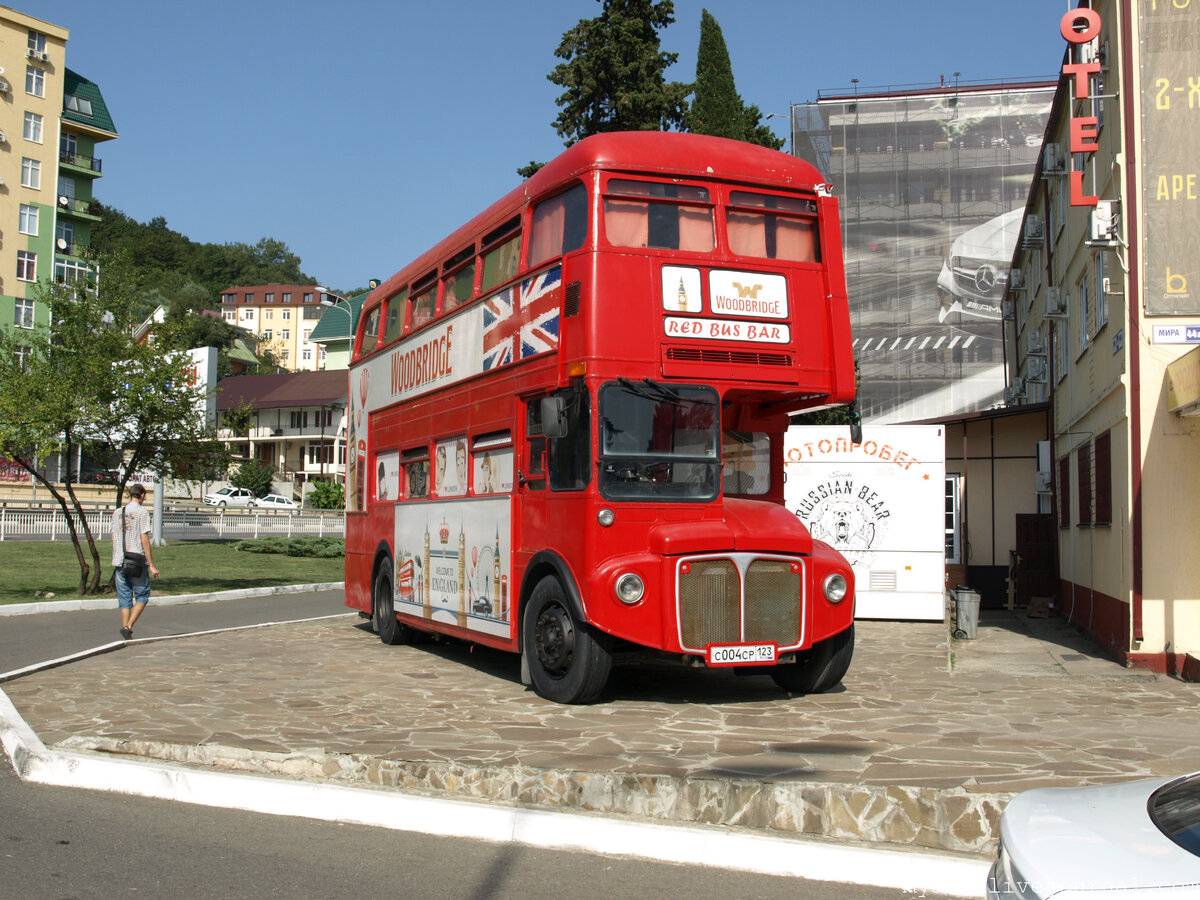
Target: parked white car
(229, 496)
(276, 501)
(1137, 839)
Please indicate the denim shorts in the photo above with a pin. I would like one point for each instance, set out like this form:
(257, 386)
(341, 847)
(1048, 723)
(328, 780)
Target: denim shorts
(133, 590)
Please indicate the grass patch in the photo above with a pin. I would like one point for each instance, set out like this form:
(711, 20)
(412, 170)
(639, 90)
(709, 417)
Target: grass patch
(188, 567)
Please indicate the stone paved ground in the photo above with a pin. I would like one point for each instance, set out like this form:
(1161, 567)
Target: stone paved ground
(924, 745)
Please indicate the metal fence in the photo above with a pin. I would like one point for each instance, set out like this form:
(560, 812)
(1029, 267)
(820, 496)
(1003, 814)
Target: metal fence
(50, 524)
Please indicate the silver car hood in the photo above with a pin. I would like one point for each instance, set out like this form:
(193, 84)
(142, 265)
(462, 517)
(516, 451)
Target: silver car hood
(1054, 834)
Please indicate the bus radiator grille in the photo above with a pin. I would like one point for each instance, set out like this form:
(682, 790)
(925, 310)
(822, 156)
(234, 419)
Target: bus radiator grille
(772, 603)
(712, 611)
(709, 597)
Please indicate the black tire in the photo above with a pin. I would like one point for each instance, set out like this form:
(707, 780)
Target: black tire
(821, 669)
(568, 661)
(383, 607)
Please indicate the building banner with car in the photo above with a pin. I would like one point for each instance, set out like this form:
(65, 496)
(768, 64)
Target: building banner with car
(880, 504)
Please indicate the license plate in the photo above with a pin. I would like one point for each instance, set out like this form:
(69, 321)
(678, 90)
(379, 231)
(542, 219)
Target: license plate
(741, 654)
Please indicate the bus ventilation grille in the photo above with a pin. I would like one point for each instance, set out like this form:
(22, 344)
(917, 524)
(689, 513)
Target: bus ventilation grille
(571, 299)
(728, 357)
(718, 604)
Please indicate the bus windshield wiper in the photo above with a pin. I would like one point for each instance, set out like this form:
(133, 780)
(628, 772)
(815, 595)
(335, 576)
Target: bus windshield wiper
(637, 390)
(665, 392)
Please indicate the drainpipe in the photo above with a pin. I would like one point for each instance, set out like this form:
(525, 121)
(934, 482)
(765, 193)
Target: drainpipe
(1133, 299)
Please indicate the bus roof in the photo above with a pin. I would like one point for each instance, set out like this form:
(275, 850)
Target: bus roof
(650, 152)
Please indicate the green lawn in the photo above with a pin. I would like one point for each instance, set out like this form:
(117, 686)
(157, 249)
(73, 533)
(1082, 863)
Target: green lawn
(188, 567)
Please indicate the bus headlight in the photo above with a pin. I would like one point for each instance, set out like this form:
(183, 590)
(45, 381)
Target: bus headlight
(836, 588)
(630, 588)
(606, 517)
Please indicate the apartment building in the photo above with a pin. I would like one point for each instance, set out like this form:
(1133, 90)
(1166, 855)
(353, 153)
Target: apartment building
(283, 317)
(1103, 327)
(48, 165)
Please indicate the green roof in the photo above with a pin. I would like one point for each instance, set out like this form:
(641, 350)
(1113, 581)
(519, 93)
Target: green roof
(240, 352)
(76, 85)
(339, 327)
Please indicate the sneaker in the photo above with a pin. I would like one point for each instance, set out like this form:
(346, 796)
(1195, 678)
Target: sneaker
(127, 633)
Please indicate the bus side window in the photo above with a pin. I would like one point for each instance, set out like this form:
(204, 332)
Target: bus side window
(501, 254)
(492, 463)
(565, 460)
(396, 309)
(559, 225)
(535, 456)
(415, 463)
(370, 336)
(424, 301)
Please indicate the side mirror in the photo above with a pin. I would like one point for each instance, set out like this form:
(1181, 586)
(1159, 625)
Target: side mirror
(554, 417)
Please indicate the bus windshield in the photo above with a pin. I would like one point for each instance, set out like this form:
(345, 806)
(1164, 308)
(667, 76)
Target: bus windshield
(658, 442)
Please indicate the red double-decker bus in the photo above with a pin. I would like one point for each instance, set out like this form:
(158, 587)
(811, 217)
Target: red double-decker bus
(567, 419)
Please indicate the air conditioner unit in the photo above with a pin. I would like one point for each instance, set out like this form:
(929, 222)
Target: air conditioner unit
(1052, 160)
(1035, 345)
(1103, 223)
(1042, 482)
(45, 57)
(3, 138)
(1056, 303)
(1006, 309)
(1014, 392)
(1032, 235)
(31, 53)
(4, 86)
(1037, 370)
(1, 182)
(1016, 279)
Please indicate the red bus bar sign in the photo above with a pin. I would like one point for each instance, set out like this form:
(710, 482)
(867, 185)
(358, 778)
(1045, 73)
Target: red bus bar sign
(741, 654)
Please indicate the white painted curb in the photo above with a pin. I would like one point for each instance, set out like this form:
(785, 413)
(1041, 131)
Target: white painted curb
(110, 602)
(900, 869)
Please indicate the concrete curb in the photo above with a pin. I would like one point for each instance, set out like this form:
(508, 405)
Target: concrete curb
(727, 848)
(110, 602)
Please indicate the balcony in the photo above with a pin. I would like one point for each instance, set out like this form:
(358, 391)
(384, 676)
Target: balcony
(85, 165)
(88, 210)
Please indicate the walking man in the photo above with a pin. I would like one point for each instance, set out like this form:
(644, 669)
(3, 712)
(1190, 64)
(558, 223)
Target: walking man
(133, 592)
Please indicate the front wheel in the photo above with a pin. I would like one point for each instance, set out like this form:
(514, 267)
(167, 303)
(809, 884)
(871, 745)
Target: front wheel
(383, 606)
(568, 661)
(821, 669)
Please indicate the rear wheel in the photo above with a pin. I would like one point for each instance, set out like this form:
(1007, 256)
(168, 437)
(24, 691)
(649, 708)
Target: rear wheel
(568, 661)
(383, 605)
(821, 669)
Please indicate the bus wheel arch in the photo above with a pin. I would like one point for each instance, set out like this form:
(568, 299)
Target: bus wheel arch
(564, 658)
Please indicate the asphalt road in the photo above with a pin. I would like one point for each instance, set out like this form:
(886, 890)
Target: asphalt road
(29, 639)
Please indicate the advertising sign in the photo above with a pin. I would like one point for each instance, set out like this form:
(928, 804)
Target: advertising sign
(880, 504)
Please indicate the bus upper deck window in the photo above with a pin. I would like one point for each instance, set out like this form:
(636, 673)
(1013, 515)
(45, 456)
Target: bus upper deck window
(370, 336)
(423, 302)
(773, 227)
(459, 280)
(559, 225)
(501, 254)
(658, 215)
(395, 316)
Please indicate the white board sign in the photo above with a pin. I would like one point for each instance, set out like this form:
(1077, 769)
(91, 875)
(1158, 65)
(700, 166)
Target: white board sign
(881, 505)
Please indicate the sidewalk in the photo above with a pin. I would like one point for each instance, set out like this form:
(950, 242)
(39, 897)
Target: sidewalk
(922, 748)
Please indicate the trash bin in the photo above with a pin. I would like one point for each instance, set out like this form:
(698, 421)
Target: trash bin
(966, 618)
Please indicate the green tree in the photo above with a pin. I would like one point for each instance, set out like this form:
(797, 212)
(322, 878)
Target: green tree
(83, 383)
(255, 477)
(716, 107)
(613, 74)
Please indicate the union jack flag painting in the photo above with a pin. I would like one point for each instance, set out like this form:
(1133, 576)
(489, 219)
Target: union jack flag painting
(522, 322)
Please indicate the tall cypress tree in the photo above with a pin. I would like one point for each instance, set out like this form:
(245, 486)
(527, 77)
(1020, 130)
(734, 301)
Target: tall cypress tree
(717, 108)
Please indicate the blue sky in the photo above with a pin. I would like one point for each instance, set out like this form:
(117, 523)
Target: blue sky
(361, 132)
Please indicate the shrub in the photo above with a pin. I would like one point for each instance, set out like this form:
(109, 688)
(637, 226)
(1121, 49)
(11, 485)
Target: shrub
(254, 477)
(327, 495)
(305, 546)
